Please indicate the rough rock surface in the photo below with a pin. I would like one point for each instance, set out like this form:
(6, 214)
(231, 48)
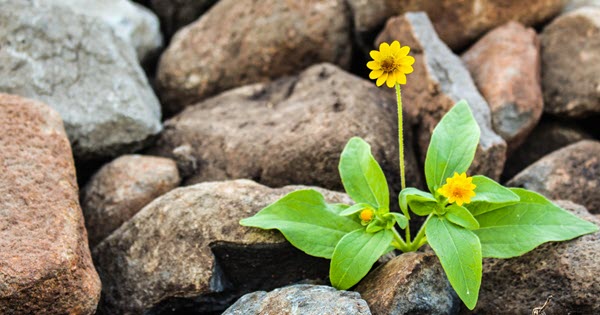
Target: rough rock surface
(76, 64)
(566, 270)
(576, 4)
(132, 22)
(439, 81)
(571, 173)
(232, 45)
(458, 22)
(175, 14)
(123, 187)
(412, 283)
(45, 263)
(291, 131)
(505, 65)
(546, 137)
(301, 299)
(571, 64)
(186, 249)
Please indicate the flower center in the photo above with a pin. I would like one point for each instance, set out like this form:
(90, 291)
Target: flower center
(388, 64)
(366, 215)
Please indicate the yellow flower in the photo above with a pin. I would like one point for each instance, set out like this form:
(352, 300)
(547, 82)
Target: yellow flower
(366, 214)
(458, 188)
(390, 64)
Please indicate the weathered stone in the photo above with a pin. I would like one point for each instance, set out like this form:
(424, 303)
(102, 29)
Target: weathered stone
(132, 22)
(546, 137)
(123, 187)
(78, 66)
(188, 248)
(291, 131)
(571, 64)
(412, 283)
(567, 270)
(576, 4)
(571, 173)
(175, 14)
(439, 81)
(505, 65)
(301, 299)
(45, 263)
(233, 45)
(457, 22)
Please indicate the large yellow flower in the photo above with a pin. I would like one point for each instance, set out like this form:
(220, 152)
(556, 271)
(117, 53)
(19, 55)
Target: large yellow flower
(390, 64)
(458, 188)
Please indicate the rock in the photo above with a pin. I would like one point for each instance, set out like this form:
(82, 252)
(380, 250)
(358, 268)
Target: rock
(576, 4)
(505, 65)
(76, 64)
(571, 64)
(546, 137)
(438, 82)
(233, 45)
(123, 187)
(301, 299)
(45, 263)
(186, 250)
(458, 23)
(175, 14)
(567, 270)
(571, 173)
(132, 22)
(291, 131)
(412, 283)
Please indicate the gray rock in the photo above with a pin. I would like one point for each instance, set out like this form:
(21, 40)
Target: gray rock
(571, 64)
(439, 81)
(188, 248)
(576, 4)
(76, 64)
(412, 283)
(301, 299)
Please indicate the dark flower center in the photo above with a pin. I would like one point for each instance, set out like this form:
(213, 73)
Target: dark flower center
(388, 65)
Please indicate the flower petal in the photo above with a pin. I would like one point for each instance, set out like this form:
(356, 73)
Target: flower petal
(403, 51)
(384, 48)
(395, 47)
(400, 78)
(375, 74)
(391, 80)
(374, 65)
(406, 69)
(407, 61)
(381, 79)
(376, 55)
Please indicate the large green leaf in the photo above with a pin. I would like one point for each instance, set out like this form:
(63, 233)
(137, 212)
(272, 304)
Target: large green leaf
(355, 254)
(489, 195)
(420, 202)
(306, 221)
(459, 252)
(515, 229)
(461, 216)
(362, 176)
(452, 147)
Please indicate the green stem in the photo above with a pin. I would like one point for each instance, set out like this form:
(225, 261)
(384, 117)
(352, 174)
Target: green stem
(400, 137)
(398, 239)
(419, 239)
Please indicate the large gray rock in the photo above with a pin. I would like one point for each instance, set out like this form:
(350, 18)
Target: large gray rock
(78, 66)
(300, 299)
(439, 81)
(576, 4)
(187, 251)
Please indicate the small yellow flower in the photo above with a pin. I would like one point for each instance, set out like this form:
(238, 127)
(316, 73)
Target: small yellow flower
(390, 64)
(459, 188)
(366, 214)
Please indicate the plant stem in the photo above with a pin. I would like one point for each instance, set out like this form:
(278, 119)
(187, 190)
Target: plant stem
(398, 239)
(400, 137)
(419, 239)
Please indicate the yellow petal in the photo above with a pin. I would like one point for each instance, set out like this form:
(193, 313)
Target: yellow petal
(459, 202)
(375, 74)
(407, 61)
(374, 65)
(406, 69)
(401, 78)
(375, 55)
(391, 80)
(395, 47)
(403, 51)
(381, 79)
(384, 48)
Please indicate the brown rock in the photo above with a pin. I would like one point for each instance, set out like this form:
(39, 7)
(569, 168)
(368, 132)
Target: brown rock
(571, 64)
(291, 131)
(571, 173)
(505, 65)
(457, 22)
(567, 270)
(412, 283)
(438, 82)
(123, 187)
(233, 45)
(188, 244)
(45, 264)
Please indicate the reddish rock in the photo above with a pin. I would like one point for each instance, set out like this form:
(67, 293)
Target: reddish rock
(571, 64)
(505, 65)
(123, 187)
(45, 264)
(438, 82)
(571, 173)
(235, 43)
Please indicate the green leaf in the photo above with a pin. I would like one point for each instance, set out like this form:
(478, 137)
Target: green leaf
(306, 221)
(355, 254)
(337, 207)
(488, 193)
(516, 229)
(452, 147)
(459, 252)
(362, 176)
(398, 218)
(355, 208)
(420, 202)
(461, 216)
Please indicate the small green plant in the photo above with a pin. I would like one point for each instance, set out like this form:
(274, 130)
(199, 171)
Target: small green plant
(467, 218)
